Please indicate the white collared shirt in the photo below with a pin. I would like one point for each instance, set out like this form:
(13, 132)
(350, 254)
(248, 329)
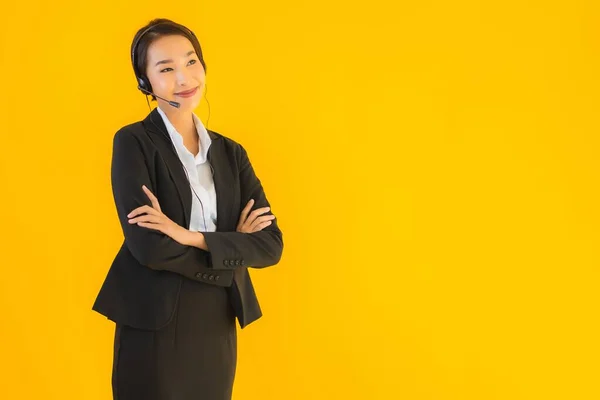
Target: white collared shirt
(199, 174)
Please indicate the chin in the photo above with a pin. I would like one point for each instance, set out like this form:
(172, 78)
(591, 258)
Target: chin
(189, 105)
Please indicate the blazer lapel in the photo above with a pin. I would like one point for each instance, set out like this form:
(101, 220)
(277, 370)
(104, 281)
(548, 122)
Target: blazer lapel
(223, 178)
(217, 157)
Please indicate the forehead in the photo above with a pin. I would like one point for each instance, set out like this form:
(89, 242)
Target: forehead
(171, 46)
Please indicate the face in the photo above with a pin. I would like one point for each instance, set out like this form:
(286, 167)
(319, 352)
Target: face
(174, 69)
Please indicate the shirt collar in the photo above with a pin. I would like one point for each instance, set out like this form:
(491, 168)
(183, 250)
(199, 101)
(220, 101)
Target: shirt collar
(177, 139)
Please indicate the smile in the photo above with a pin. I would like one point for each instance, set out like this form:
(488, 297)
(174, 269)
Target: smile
(188, 93)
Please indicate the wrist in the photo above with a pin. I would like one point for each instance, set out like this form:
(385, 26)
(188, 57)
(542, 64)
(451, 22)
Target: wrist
(197, 240)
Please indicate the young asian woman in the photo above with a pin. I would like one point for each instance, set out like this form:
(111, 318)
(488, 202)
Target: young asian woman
(195, 217)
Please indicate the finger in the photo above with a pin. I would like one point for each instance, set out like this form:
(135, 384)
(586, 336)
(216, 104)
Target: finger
(246, 210)
(258, 212)
(243, 227)
(142, 210)
(152, 198)
(155, 227)
(244, 214)
(146, 218)
(262, 219)
(261, 226)
(247, 225)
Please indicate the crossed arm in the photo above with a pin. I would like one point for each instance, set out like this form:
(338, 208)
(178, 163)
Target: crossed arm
(157, 250)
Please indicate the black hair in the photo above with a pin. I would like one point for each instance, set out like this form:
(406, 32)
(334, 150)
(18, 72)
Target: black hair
(155, 29)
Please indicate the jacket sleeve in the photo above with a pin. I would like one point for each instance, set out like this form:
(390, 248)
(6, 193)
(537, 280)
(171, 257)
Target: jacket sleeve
(149, 247)
(229, 250)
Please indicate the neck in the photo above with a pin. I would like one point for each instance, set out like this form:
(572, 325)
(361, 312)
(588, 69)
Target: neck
(182, 121)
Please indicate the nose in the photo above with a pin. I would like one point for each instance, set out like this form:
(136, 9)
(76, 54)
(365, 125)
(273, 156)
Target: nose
(183, 77)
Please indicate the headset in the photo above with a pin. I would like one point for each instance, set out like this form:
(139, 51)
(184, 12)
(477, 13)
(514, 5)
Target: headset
(145, 87)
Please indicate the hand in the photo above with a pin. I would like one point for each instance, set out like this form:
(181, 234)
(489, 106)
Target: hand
(253, 223)
(153, 218)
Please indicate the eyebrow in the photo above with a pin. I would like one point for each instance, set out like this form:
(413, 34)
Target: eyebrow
(170, 61)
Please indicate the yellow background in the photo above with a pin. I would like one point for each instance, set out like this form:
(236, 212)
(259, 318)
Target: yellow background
(433, 165)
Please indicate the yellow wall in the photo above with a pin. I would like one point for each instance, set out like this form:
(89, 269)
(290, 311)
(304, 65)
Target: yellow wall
(434, 167)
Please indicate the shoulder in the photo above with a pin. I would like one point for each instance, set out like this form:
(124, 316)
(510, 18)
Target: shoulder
(134, 134)
(229, 144)
(135, 129)
(131, 140)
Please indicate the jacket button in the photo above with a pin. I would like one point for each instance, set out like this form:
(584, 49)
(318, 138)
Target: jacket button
(199, 275)
(210, 278)
(226, 262)
(237, 262)
(204, 276)
(242, 262)
(217, 277)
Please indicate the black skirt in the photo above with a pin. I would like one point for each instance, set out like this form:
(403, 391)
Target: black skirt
(192, 358)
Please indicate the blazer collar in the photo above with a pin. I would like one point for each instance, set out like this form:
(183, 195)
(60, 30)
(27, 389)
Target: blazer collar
(217, 156)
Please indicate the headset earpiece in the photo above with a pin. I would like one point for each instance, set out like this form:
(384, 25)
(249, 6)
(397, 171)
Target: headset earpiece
(143, 84)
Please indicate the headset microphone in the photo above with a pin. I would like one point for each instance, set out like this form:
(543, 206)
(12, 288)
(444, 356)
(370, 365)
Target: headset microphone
(173, 103)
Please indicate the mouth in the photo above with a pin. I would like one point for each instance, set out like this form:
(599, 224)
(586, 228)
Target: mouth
(187, 93)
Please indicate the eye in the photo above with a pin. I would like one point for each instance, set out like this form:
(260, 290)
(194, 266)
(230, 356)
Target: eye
(169, 68)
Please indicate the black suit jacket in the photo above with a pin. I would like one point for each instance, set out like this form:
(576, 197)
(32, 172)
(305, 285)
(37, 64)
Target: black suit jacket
(142, 286)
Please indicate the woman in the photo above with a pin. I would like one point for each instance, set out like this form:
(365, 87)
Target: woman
(180, 279)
